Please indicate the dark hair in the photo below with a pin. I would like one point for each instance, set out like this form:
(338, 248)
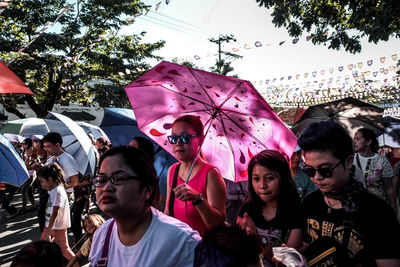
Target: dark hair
(146, 145)
(227, 246)
(53, 137)
(28, 142)
(102, 141)
(327, 136)
(194, 121)
(370, 135)
(52, 170)
(39, 254)
(37, 140)
(275, 161)
(139, 162)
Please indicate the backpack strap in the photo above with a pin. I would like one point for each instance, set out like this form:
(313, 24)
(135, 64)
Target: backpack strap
(172, 193)
(102, 262)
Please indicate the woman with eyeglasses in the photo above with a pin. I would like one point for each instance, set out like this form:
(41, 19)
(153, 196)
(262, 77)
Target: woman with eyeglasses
(196, 191)
(137, 234)
(271, 211)
(378, 176)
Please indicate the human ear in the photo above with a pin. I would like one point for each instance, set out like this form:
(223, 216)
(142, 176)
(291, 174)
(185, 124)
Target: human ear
(348, 162)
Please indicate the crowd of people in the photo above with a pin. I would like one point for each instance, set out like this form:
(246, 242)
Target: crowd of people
(335, 202)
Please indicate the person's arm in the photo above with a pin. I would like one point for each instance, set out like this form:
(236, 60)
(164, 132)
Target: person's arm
(74, 181)
(294, 240)
(212, 210)
(74, 261)
(51, 222)
(166, 209)
(388, 263)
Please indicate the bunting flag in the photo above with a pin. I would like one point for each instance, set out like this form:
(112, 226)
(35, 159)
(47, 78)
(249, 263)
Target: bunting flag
(157, 6)
(257, 44)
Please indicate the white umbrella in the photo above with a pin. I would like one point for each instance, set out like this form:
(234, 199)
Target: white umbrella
(79, 144)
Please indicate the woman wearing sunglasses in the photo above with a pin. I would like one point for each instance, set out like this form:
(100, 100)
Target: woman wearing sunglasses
(198, 195)
(342, 212)
(272, 210)
(137, 234)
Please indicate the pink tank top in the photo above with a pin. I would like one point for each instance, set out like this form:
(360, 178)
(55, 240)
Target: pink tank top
(198, 182)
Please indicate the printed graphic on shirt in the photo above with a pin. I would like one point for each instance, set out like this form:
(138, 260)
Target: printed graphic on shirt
(326, 228)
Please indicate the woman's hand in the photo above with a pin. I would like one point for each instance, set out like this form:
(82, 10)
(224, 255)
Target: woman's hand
(185, 193)
(247, 224)
(48, 236)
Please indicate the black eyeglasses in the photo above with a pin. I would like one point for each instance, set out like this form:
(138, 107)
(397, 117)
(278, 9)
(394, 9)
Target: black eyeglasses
(324, 172)
(185, 138)
(116, 179)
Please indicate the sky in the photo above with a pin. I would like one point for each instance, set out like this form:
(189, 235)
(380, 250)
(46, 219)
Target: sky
(186, 26)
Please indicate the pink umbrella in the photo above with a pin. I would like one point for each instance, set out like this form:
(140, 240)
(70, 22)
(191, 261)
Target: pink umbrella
(10, 83)
(238, 121)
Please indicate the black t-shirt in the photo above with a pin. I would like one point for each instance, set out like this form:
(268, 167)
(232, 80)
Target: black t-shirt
(277, 230)
(374, 229)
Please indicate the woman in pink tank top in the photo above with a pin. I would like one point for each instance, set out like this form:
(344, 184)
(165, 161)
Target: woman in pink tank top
(201, 201)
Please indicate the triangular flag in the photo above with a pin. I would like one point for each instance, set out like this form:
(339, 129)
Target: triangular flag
(369, 62)
(360, 65)
(157, 6)
(281, 43)
(394, 57)
(294, 41)
(382, 59)
(350, 66)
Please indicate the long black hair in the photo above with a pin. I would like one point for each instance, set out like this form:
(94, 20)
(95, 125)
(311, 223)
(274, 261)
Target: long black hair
(274, 160)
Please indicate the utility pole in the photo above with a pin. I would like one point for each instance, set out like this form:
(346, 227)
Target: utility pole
(221, 39)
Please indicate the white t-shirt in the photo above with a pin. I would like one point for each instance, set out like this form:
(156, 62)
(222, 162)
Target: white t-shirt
(68, 164)
(58, 197)
(363, 160)
(167, 242)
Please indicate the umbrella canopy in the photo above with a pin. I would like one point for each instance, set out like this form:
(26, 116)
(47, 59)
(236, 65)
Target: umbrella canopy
(79, 144)
(349, 112)
(75, 140)
(12, 167)
(93, 129)
(238, 122)
(121, 127)
(79, 115)
(291, 115)
(391, 137)
(10, 83)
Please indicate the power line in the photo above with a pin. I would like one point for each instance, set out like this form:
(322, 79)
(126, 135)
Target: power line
(171, 26)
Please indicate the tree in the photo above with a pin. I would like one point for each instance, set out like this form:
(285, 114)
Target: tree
(81, 58)
(338, 23)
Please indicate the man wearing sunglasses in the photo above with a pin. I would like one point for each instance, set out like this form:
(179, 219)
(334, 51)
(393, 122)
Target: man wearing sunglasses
(342, 211)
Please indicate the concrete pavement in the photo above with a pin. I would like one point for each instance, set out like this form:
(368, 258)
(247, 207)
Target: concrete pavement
(16, 232)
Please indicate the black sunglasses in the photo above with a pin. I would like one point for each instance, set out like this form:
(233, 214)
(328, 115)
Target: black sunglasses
(185, 138)
(324, 172)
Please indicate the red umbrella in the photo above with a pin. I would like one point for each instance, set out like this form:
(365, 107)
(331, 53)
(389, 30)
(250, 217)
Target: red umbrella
(10, 83)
